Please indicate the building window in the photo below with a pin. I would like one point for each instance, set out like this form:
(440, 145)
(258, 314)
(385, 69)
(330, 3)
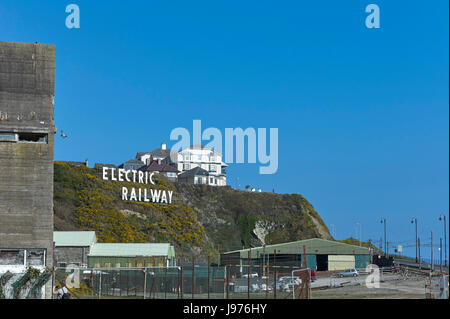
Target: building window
(186, 167)
(187, 158)
(35, 257)
(212, 168)
(129, 265)
(97, 265)
(22, 257)
(8, 137)
(108, 265)
(33, 137)
(118, 265)
(211, 180)
(139, 265)
(12, 257)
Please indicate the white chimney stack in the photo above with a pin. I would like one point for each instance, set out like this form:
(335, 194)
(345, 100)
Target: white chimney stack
(163, 146)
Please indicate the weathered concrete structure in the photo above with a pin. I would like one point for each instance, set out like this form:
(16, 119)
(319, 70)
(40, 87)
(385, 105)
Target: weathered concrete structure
(27, 82)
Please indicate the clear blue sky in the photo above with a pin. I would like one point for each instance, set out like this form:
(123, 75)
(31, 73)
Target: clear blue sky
(362, 113)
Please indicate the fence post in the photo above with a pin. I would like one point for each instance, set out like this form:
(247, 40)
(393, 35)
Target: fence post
(226, 281)
(120, 281)
(182, 270)
(193, 277)
(145, 283)
(248, 274)
(208, 276)
(165, 283)
(100, 286)
(275, 274)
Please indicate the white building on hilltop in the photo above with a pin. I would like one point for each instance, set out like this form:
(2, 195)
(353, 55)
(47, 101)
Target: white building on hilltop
(205, 158)
(197, 156)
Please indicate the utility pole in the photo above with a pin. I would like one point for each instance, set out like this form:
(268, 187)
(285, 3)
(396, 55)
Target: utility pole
(432, 251)
(440, 251)
(360, 233)
(333, 231)
(420, 262)
(383, 221)
(442, 217)
(414, 221)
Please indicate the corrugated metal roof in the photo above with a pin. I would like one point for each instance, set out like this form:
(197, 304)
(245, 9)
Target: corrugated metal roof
(74, 238)
(131, 250)
(313, 246)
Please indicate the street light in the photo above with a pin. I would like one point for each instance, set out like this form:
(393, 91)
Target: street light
(383, 221)
(334, 230)
(360, 233)
(414, 221)
(442, 217)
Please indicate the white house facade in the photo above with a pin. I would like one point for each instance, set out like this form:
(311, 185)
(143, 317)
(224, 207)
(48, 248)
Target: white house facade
(186, 160)
(205, 158)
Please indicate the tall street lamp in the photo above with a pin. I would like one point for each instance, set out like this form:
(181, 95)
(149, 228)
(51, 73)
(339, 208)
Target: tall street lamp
(383, 221)
(414, 221)
(442, 217)
(360, 233)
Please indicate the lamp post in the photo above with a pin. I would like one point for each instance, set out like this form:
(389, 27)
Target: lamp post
(334, 230)
(414, 221)
(442, 217)
(360, 233)
(383, 221)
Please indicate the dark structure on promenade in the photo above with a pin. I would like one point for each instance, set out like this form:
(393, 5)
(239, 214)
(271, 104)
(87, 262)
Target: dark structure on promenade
(27, 82)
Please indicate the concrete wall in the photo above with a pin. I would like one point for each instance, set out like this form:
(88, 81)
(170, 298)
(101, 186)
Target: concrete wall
(27, 81)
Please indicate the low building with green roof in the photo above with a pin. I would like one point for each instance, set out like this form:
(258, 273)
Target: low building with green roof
(119, 255)
(73, 247)
(321, 255)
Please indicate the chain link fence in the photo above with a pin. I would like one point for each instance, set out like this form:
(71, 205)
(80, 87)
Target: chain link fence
(186, 282)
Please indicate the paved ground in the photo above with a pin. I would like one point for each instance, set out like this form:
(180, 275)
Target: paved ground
(391, 287)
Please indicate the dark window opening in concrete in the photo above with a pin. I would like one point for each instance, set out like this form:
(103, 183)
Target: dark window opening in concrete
(8, 137)
(33, 137)
(322, 262)
(11, 257)
(35, 257)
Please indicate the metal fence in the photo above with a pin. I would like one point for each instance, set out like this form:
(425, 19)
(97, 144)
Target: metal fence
(146, 283)
(186, 282)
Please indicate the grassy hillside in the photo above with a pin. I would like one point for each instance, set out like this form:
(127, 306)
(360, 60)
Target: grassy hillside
(202, 218)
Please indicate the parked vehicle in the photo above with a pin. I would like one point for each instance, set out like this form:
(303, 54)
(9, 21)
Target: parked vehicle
(352, 272)
(252, 275)
(286, 283)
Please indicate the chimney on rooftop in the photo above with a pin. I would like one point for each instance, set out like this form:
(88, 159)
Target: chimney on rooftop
(163, 146)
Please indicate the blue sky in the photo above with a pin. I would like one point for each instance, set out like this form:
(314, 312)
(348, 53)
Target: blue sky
(362, 113)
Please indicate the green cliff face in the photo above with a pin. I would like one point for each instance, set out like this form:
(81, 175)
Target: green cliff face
(202, 218)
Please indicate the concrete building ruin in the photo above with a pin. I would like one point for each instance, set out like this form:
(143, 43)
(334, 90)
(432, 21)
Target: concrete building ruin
(27, 89)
